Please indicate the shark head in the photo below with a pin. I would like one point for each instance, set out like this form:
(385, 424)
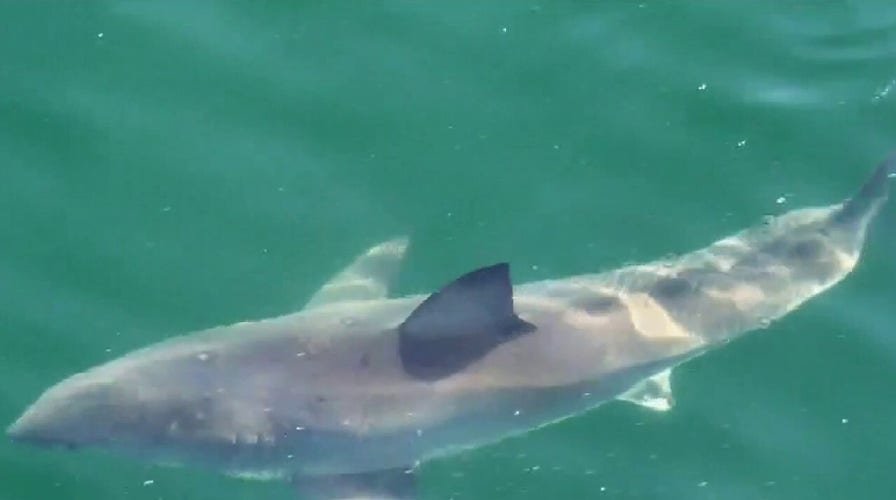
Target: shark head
(138, 405)
(78, 412)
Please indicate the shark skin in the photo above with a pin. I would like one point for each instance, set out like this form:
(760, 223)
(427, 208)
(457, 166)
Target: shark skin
(346, 397)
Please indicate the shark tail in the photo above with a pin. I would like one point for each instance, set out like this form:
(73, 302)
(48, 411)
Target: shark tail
(871, 196)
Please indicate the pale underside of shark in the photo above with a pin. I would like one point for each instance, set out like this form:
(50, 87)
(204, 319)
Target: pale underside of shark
(348, 396)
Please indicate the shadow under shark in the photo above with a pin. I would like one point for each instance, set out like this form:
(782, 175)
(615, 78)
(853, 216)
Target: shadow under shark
(346, 397)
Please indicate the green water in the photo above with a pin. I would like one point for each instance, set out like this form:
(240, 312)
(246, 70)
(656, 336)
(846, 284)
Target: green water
(168, 166)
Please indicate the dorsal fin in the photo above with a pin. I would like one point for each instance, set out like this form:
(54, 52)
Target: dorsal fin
(460, 324)
(366, 278)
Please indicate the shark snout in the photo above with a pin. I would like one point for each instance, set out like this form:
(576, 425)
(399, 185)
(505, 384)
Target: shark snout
(69, 415)
(27, 430)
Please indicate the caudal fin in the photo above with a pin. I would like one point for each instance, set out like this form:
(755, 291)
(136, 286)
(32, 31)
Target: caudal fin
(872, 194)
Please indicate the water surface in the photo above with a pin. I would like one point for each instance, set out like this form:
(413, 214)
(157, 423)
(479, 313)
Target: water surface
(169, 166)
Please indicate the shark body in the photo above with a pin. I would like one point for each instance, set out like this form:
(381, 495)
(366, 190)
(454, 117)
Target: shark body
(347, 396)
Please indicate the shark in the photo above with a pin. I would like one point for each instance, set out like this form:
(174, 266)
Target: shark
(347, 397)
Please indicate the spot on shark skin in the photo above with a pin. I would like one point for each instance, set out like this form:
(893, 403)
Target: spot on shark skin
(650, 318)
(744, 296)
(671, 288)
(597, 303)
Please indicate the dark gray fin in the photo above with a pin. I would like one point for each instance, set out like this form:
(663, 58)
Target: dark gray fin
(460, 324)
(366, 278)
(389, 484)
(869, 197)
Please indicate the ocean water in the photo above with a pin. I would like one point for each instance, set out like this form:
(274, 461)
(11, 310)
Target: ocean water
(169, 166)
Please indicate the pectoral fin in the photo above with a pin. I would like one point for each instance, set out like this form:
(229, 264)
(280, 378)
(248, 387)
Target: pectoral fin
(460, 324)
(389, 484)
(654, 393)
(366, 278)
